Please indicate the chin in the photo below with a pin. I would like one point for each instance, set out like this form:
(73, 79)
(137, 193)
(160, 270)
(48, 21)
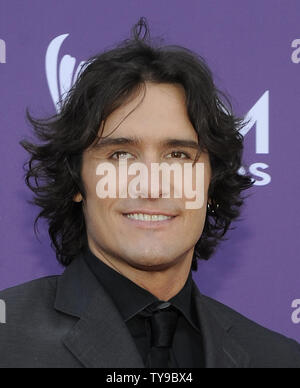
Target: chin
(151, 264)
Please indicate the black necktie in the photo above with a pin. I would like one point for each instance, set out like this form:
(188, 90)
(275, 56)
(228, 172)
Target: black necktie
(163, 322)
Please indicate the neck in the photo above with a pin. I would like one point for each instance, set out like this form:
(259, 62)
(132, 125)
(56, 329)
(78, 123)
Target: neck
(159, 282)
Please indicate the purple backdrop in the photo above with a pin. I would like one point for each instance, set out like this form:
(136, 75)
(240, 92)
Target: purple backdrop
(253, 48)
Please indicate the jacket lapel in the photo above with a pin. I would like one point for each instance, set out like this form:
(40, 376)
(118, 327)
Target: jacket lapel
(221, 349)
(100, 338)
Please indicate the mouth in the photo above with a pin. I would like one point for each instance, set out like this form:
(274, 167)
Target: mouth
(149, 219)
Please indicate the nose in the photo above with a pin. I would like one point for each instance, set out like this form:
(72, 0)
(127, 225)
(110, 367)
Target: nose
(150, 186)
(152, 183)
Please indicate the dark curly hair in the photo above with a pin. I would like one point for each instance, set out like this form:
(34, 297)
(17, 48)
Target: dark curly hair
(105, 82)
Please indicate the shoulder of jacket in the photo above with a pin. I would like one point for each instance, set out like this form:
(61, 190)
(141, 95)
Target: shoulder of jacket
(31, 287)
(251, 334)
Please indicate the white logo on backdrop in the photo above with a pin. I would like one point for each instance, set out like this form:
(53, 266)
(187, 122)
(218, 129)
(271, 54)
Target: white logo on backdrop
(60, 76)
(259, 120)
(2, 311)
(2, 51)
(296, 312)
(296, 52)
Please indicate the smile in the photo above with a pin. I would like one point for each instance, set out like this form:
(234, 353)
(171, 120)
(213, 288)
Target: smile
(149, 221)
(148, 217)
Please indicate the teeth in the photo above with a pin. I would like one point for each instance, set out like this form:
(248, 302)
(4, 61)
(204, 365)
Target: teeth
(148, 217)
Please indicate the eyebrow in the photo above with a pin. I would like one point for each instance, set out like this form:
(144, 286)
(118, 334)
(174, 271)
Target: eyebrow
(169, 142)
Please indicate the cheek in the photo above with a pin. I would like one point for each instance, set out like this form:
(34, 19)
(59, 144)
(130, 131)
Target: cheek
(98, 209)
(98, 218)
(197, 217)
(91, 182)
(193, 224)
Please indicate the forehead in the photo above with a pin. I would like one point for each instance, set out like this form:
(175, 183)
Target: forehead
(158, 114)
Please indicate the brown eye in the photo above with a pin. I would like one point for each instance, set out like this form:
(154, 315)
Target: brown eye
(179, 154)
(118, 153)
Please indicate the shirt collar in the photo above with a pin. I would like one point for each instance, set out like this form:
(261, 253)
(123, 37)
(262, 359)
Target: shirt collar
(130, 298)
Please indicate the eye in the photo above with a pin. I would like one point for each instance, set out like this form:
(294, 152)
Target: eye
(179, 154)
(119, 153)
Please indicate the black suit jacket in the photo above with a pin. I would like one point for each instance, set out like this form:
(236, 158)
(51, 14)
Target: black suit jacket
(70, 321)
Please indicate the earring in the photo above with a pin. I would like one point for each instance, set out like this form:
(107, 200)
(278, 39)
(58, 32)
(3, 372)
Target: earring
(210, 208)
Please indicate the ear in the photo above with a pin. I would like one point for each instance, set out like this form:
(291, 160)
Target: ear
(77, 198)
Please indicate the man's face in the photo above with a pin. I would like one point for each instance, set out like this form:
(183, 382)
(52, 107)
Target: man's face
(142, 244)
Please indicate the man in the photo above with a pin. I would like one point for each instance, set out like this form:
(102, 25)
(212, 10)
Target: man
(127, 297)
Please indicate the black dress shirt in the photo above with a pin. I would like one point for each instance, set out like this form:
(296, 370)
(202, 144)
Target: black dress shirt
(131, 299)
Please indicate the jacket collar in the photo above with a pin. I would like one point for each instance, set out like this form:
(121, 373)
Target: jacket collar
(101, 339)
